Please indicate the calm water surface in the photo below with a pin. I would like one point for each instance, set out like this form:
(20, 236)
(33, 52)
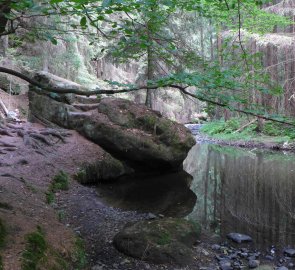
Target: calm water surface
(246, 191)
(231, 190)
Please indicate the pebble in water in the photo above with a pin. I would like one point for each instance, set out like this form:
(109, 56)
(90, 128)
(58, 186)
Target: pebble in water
(253, 264)
(289, 252)
(239, 238)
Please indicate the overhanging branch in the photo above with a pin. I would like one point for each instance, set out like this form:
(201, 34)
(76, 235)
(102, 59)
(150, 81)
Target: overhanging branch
(87, 92)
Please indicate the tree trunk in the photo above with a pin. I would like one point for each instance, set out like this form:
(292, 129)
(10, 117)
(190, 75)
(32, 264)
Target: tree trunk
(4, 10)
(150, 74)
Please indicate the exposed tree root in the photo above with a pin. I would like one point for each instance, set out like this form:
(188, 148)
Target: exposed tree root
(39, 140)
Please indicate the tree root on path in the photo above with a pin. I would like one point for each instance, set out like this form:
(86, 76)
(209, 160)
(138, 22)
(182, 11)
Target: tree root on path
(37, 139)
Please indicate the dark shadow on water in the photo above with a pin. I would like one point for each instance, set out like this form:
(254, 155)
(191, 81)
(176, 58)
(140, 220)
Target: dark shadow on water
(167, 194)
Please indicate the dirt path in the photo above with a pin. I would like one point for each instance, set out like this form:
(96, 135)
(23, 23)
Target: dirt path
(26, 174)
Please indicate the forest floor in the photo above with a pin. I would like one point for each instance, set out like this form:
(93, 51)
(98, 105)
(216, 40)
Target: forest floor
(27, 167)
(26, 175)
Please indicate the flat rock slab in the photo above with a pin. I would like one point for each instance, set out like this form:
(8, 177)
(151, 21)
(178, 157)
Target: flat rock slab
(239, 238)
(166, 240)
(289, 252)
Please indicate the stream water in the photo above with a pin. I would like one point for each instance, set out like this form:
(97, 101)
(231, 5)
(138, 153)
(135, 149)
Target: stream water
(232, 190)
(246, 191)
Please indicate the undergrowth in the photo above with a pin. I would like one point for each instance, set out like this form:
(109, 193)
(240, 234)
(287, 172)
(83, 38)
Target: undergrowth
(228, 130)
(59, 182)
(79, 255)
(35, 249)
(38, 254)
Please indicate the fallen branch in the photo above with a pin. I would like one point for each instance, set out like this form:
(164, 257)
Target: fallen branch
(244, 126)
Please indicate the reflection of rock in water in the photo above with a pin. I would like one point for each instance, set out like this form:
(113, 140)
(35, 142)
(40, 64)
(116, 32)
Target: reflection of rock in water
(167, 194)
(247, 191)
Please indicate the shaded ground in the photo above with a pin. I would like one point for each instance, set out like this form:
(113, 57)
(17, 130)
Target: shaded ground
(25, 175)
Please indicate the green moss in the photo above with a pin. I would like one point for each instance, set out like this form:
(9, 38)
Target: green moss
(50, 197)
(164, 239)
(61, 215)
(38, 253)
(36, 247)
(148, 122)
(80, 176)
(79, 255)
(59, 182)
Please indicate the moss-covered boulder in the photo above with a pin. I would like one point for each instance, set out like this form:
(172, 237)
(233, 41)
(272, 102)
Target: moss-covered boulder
(128, 131)
(166, 240)
(107, 168)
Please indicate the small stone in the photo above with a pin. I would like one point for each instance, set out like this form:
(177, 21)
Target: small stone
(215, 247)
(282, 268)
(289, 252)
(253, 263)
(239, 238)
(291, 265)
(151, 216)
(244, 255)
(269, 257)
(225, 265)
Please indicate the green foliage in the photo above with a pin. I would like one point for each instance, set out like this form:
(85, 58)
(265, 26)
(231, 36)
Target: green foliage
(61, 215)
(59, 182)
(227, 130)
(39, 253)
(36, 247)
(79, 257)
(145, 31)
(279, 130)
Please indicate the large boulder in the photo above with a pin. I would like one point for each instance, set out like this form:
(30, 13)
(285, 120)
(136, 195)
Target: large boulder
(166, 240)
(128, 131)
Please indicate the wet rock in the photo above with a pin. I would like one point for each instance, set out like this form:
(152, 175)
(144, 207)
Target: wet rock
(291, 265)
(239, 238)
(282, 268)
(253, 264)
(289, 252)
(167, 240)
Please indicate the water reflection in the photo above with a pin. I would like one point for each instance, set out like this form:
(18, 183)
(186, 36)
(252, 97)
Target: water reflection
(167, 194)
(244, 191)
